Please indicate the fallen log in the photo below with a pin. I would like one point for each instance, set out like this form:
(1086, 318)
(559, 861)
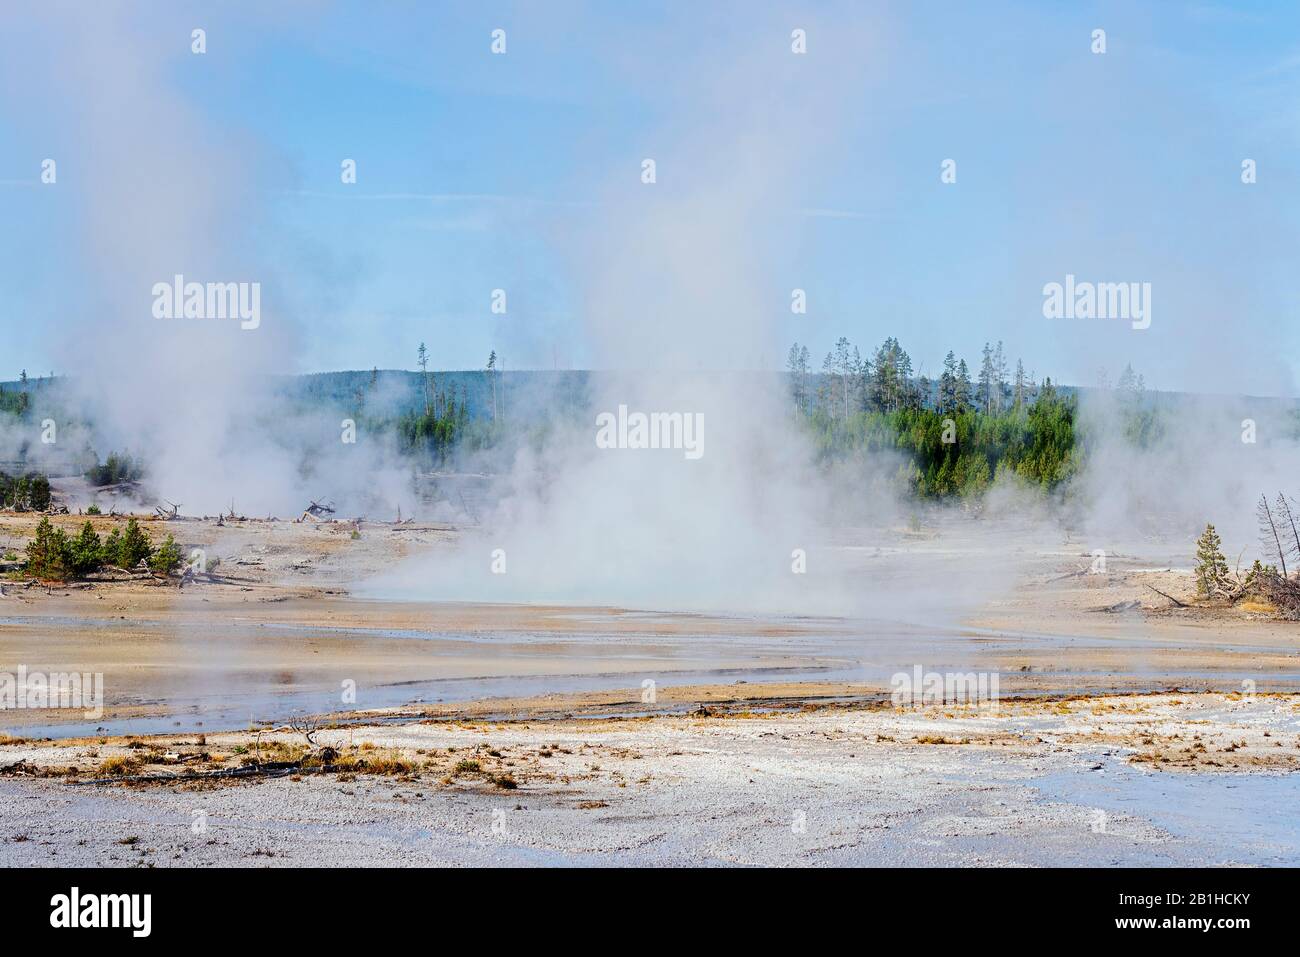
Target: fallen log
(1081, 572)
(270, 769)
(1170, 597)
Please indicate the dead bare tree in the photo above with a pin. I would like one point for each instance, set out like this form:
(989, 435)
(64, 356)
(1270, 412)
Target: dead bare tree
(317, 510)
(1287, 522)
(1282, 593)
(1269, 537)
(1279, 536)
(307, 726)
(169, 512)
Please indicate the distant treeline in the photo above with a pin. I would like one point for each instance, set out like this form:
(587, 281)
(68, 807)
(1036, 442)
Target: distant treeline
(433, 414)
(958, 435)
(16, 401)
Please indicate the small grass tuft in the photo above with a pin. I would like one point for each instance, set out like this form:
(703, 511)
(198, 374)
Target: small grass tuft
(119, 765)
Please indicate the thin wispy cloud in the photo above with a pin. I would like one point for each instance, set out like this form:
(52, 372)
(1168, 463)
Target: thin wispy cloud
(831, 213)
(433, 197)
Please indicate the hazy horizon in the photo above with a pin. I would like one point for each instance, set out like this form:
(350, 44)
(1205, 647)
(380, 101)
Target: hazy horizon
(478, 172)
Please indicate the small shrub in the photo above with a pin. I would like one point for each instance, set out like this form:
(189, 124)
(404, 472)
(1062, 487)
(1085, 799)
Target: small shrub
(118, 468)
(25, 493)
(133, 547)
(1211, 566)
(48, 553)
(86, 552)
(38, 493)
(112, 546)
(166, 557)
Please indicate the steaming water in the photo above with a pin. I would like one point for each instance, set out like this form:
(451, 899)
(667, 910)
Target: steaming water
(530, 663)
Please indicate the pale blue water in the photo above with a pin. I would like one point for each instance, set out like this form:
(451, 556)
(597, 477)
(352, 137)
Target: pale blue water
(1248, 819)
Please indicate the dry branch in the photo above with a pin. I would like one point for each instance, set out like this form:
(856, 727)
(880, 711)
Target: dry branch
(1170, 597)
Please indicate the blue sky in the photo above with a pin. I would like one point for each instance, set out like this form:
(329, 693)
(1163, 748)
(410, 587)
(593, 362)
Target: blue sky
(520, 172)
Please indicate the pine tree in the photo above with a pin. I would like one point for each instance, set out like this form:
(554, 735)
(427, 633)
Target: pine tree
(859, 373)
(803, 375)
(797, 365)
(1211, 566)
(963, 387)
(827, 394)
(948, 384)
(166, 557)
(48, 552)
(908, 397)
(38, 493)
(891, 386)
(984, 392)
(85, 552)
(1130, 384)
(1001, 389)
(422, 358)
(133, 547)
(843, 370)
(1018, 394)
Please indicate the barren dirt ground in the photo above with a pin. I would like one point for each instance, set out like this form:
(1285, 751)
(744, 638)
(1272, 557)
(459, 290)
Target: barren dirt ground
(1129, 780)
(519, 734)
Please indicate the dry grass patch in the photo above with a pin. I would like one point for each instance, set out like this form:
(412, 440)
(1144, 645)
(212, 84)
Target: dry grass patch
(119, 765)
